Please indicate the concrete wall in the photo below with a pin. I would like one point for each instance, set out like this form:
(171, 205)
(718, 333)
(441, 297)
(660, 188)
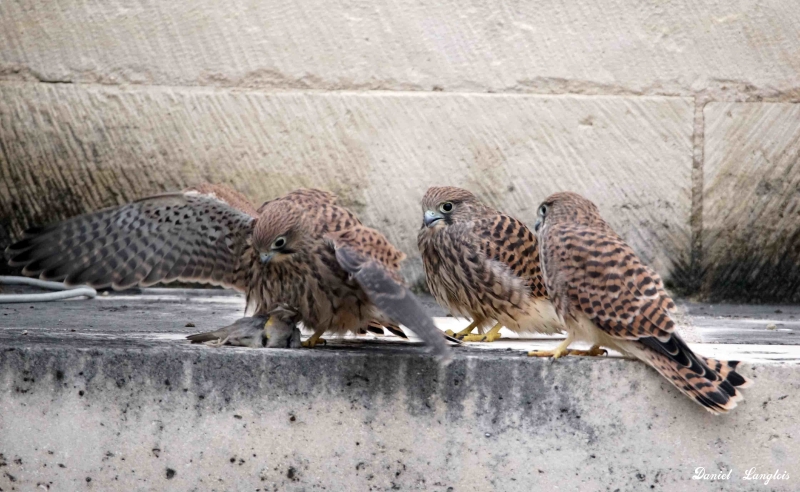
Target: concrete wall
(680, 120)
(112, 414)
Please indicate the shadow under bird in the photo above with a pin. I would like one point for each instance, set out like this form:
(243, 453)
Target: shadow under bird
(608, 297)
(302, 250)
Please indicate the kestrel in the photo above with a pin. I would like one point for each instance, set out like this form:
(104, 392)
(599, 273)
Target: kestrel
(484, 265)
(302, 250)
(278, 330)
(608, 297)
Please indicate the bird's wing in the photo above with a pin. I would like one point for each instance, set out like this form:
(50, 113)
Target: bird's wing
(593, 271)
(372, 261)
(481, 263)
(509, 242)
(191, 236)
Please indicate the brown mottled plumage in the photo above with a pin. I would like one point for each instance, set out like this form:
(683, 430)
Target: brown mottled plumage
(301, 250)
(608, 297)
(483, 264)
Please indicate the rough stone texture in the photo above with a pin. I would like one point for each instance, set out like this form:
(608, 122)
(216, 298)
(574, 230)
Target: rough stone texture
(124, 415)
(752, 201)
(732, 49)
(65, 150)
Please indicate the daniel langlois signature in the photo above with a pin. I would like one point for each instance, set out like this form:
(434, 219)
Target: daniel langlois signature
(754, 474)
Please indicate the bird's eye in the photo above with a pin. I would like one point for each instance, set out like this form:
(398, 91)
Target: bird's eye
(543, 209)
(446, 207)
(279, 243)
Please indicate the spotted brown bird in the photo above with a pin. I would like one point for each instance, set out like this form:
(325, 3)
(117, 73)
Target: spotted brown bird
(608, 297)
(302, 250)
(482, 264)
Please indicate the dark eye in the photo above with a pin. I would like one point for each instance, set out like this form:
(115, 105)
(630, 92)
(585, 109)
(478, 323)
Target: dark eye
(446, 207)
(543, 209)
(279, 243)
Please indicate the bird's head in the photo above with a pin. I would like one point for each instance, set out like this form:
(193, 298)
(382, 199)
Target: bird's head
(565, 206)
(280, 329)
(283, 313)
(445, 205)
(279, 232)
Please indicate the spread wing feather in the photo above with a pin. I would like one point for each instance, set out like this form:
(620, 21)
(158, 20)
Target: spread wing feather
(372, 261)
(190, 236)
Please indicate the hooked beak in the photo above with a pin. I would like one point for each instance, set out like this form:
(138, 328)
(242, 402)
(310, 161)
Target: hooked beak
(537, 225)
(431, 218)
(266, 257)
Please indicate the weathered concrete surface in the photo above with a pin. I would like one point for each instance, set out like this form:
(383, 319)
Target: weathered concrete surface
(108, 390)
(70, 149)
(81, 415)
(751, 217)
(738, 49)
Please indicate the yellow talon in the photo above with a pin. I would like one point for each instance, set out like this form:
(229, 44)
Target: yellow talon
(595, 351)
(463, 333)
(490, 336)
(313, 343)
(560, 351)
(314, 339)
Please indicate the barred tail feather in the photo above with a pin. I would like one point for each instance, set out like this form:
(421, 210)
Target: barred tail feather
(727, 369)
(711, 383)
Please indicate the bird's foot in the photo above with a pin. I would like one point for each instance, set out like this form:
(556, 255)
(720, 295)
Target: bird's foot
(560, 351)
(312, 342)
(595, 351)
(555, 353)
(487, 337)
(460, 334)
(490, 336)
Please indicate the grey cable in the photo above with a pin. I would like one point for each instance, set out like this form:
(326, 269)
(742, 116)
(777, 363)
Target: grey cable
(66, 292)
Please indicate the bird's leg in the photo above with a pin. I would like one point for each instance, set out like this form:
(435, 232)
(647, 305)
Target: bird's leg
(466, 331)
(595, 351)
(490, 336)
(560, 351)
(315, 339)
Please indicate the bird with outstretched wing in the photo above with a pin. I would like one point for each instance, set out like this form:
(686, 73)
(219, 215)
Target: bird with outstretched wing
(301, 250)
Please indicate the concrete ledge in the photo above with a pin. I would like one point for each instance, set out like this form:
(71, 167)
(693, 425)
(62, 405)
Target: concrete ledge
(142, 417)
(140, 409)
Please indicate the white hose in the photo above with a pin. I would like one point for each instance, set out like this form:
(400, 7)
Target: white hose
(66, 292)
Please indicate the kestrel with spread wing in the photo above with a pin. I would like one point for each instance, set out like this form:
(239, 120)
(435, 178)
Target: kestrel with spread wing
(484, 265)
(302, 250)
(608, 297)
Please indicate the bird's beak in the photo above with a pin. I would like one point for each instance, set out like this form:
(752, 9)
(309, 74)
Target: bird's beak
(266, 257)
(431, 218)
(537, 225)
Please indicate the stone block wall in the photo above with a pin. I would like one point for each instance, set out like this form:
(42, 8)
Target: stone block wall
(680, 120)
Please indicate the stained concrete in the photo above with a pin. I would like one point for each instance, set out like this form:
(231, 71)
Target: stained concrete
(752, 202)
(552, 46)
(125, 402)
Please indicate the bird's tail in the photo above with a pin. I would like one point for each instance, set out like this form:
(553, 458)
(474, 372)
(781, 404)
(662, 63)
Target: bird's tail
(203, 337)
(712, 383)
(395, 330)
